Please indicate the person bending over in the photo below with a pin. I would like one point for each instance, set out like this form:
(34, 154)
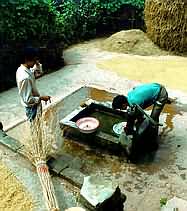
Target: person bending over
(143, 95)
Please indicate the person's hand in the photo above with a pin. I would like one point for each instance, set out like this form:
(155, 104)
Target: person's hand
(38, 69)
(37, 74)
(45, 98)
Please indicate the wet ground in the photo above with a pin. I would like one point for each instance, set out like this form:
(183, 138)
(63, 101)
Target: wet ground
(163, 175)
(145, 183)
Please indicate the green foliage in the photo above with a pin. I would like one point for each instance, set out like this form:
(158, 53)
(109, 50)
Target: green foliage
(67, 20)
(163, 201)
(136, 3)
(22, 20)
(28, 22)
(82, 18)
(74, 20)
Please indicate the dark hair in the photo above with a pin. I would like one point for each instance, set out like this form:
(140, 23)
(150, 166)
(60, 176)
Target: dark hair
(118, 101)
(30, 53)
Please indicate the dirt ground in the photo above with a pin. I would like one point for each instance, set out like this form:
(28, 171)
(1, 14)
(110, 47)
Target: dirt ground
(13, 196)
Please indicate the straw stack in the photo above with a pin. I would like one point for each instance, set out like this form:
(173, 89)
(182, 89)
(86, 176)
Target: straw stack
(166, 22)
(37, 150)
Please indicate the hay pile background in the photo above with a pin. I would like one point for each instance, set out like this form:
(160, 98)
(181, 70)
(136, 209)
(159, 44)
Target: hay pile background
(131, 42)
(166, 22)
(12, 194)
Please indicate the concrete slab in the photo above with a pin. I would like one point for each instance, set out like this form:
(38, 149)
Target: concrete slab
(60, 163)
(76, 164)
(100, 194)
(175, 204)
(64, 161)
(75, 177)
(9, 142)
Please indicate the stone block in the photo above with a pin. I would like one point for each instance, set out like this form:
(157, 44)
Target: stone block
(75, 177)
(99, 194)
(10, 142)
(60, 163)
(175, 204)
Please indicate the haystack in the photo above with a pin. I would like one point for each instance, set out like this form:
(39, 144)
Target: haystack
(166, 22)
(132, 41)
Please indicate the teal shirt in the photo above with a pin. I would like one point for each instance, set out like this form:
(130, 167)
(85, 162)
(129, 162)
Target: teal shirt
(144, 95)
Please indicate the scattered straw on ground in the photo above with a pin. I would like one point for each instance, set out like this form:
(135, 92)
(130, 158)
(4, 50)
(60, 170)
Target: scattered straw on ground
(13, 197)
(168, 70)
(132, 41)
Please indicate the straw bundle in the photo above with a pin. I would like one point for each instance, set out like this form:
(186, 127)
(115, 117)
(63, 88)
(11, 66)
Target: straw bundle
(166, 22)
(37, 150)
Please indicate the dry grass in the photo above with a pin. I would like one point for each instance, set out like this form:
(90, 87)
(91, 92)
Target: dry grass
(168, 70)
(13, 196)
(166, 23)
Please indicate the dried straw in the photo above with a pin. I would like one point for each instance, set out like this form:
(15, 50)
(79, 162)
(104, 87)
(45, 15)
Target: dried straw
(166, 22)
(37, 151)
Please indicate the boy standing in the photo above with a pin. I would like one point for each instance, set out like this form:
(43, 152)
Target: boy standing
(30, 97)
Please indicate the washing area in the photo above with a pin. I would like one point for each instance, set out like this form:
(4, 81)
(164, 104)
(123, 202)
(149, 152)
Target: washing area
(61, 163)
(61, 108)
(96, 124)
(163, 176)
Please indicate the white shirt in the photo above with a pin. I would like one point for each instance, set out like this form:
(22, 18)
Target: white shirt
(27, 86)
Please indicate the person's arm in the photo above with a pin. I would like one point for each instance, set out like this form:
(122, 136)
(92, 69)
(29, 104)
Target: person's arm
(131, 116)
(26, 93)
(37, 70)
(27, 96)
(150, 119)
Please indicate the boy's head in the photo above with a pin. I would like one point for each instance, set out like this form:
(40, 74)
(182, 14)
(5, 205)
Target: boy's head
(30, 56)
(120, 102)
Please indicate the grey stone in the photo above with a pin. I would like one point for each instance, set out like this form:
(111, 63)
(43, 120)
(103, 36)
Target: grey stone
(75, 177)
(76, 163)
(101, 195)
(64, 161)
(175, 203)
(183, 176)
(60, 163)
(2, 134)
(10, 142)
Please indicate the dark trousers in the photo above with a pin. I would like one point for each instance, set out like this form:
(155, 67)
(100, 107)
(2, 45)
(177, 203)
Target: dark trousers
(159, 104)
(31, 112)
(157, 109)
